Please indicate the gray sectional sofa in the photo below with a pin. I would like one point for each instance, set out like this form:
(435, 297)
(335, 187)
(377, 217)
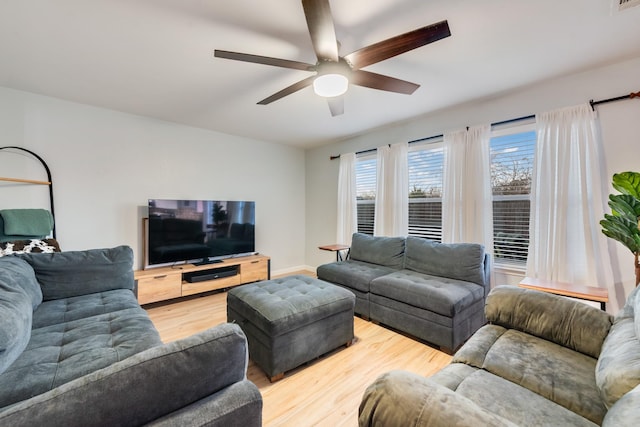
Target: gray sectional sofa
(543, 360)
(433, 291)
(76, 349)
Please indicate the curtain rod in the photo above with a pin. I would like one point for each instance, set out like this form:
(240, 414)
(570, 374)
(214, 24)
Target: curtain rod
(371, 150)
(429, 138)
(617, 98)
(504, 122)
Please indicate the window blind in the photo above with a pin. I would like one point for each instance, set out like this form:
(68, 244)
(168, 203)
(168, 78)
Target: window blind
(366, 192)
(425, 192)
(511, 173)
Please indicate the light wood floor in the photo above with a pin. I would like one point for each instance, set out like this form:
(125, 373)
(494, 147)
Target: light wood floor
(324, 392)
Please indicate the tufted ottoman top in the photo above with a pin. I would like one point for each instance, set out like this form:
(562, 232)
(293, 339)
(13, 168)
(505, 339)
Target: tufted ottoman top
(281, 305)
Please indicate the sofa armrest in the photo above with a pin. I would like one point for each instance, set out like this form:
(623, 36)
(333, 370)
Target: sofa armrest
(400, 398)
(239, 405)
(625, 412)
(143, 387)
(74, 273)
(564, 321)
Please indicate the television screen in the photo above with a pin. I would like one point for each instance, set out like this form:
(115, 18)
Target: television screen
(199, 231)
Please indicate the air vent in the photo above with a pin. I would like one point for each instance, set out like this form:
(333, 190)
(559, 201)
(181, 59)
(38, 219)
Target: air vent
(626, 4)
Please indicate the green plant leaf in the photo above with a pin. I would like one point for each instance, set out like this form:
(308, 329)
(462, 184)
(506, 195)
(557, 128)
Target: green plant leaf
(622, 224)
(627, 183)
(629, 225)
(623, 230)
(625, 205)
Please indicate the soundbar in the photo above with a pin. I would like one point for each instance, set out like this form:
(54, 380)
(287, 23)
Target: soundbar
(217, 273)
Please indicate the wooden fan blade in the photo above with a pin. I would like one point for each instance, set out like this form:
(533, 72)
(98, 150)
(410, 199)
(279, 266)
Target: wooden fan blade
(288, 90)
(266, 60)
(396, 45)
(381, 82)
(321, 29)
(336, 105)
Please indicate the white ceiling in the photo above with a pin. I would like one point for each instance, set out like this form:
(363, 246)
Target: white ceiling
(155, 57)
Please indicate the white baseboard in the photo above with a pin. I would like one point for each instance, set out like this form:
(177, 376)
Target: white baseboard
(289, 270)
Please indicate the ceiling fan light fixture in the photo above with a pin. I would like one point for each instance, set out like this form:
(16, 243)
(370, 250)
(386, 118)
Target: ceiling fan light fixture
(330, 85)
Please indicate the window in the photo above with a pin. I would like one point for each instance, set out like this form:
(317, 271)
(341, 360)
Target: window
(366, 192)
(512, 152)
(425, 191)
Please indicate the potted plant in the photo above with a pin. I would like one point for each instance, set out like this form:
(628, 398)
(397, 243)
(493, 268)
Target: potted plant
(623, 224)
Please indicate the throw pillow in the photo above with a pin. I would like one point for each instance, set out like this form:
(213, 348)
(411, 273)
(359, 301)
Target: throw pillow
(73, 273)
(461, 261)
(386, 251)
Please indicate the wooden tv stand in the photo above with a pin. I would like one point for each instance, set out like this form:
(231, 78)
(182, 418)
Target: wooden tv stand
(160, 284)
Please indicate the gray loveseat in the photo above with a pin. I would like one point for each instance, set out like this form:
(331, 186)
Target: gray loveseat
(76, 349)
(543, 360)
(433, 291)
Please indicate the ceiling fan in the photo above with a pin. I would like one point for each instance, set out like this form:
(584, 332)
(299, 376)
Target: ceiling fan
(335, 72)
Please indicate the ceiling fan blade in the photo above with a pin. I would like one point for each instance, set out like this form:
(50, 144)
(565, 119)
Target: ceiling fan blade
(381, 82)
(266, 60)
(336, 105)
(321, 29)
(396, 45)
(288, 90)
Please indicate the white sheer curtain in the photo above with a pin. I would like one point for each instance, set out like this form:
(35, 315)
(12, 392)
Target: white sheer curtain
(392, 192)
(467, 207)
(347, 204)
(567, 202)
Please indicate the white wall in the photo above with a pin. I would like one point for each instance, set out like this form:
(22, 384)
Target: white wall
(620, 128)
(106, 164)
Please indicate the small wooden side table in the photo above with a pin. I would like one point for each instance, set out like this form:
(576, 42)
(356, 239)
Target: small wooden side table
(336, 249)
(587, 293)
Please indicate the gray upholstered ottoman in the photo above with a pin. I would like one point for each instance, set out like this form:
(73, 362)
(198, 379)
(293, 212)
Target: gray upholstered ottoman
(291, 321)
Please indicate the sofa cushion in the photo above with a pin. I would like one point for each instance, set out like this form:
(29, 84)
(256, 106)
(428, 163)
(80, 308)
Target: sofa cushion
(440, 295)
(24, 277)
(517, 404)
(400, 398)
(584, 328)
(461, 261)
(618, 368)
(59, 353)
(559, 374)
(73, 273)
(352, 274)
(474, 351)
(15, 318)
(386, 251)
(74, 308)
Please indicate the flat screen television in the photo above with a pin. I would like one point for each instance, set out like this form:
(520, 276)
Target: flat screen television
(198, 231)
